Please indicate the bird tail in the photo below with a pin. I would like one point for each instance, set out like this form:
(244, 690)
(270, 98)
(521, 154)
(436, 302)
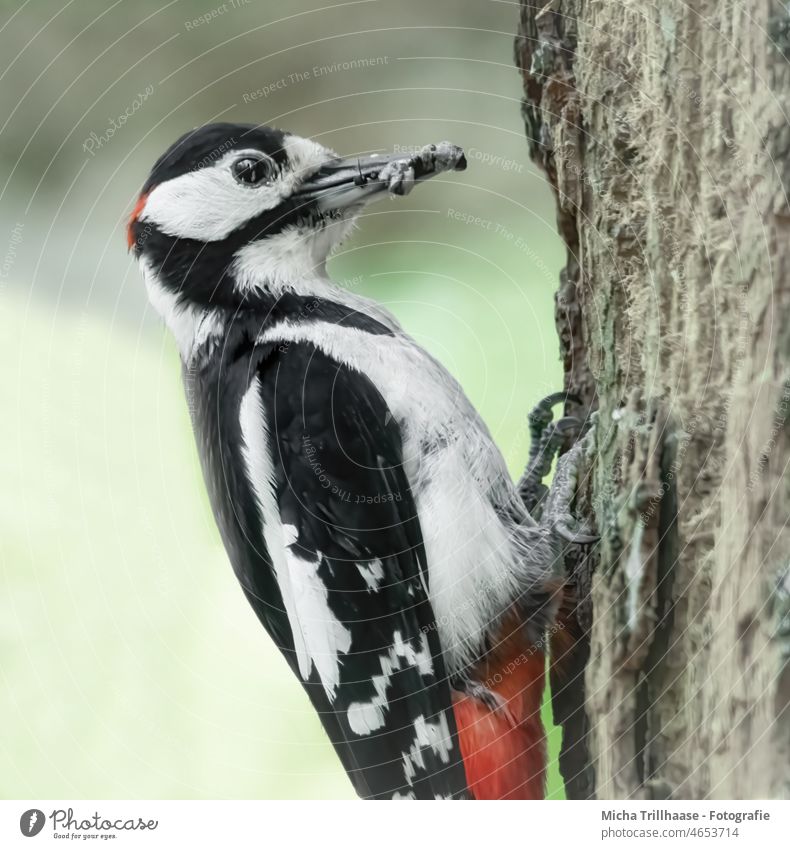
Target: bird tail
(498, 714)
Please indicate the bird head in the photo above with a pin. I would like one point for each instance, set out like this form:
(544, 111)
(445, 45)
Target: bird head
(231, 211)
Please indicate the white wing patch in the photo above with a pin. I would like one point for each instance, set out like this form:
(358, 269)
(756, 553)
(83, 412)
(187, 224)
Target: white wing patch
(373, 573)
(324, 636)
(319, 637)
(366, 717)
(433, 735)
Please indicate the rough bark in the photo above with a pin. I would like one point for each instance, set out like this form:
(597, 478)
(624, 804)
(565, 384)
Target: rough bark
(663, 130)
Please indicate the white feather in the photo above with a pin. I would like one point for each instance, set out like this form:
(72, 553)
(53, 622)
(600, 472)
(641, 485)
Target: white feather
(323, 635)
(319, 638)
(292, 259)
(373, 573)
(366, 717)
(433, 735)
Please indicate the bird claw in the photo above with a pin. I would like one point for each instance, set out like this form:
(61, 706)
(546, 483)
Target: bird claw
(546, 438)
(557, 515)
(564, 529)
(541, 414)
(567, 424)
(551, 507)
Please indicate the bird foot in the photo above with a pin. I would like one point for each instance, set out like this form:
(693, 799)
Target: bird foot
(556, 514)
(543, 412)
(564, 528)
(546, 438)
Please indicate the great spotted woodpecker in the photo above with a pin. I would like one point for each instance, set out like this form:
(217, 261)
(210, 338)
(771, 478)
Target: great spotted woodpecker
(364, 506)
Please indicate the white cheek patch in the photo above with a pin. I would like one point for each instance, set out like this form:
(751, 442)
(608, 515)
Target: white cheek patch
(207, 204)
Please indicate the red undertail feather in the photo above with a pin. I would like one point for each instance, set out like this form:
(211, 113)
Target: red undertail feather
(504, 745)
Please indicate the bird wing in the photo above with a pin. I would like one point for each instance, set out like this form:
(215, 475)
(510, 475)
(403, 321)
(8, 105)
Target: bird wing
(324, 456)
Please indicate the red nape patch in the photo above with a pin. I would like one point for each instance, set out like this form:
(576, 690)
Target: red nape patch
(504, 748)
(138, 208)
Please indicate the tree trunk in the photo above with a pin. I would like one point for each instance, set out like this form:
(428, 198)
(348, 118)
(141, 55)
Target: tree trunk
(663, 130)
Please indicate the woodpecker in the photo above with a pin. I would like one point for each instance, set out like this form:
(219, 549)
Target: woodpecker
(366, 511)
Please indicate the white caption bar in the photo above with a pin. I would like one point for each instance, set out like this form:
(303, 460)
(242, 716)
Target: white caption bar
(347, 825)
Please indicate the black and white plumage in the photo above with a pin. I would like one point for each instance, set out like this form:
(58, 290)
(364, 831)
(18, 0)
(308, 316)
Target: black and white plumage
(366, 511)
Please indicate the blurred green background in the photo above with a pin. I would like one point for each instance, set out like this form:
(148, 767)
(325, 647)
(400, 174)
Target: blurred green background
(131, 665)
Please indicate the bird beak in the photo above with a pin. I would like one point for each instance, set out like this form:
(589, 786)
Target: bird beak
(341, 183)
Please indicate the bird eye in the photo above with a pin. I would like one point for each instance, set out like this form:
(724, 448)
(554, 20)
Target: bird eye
(253, 170)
